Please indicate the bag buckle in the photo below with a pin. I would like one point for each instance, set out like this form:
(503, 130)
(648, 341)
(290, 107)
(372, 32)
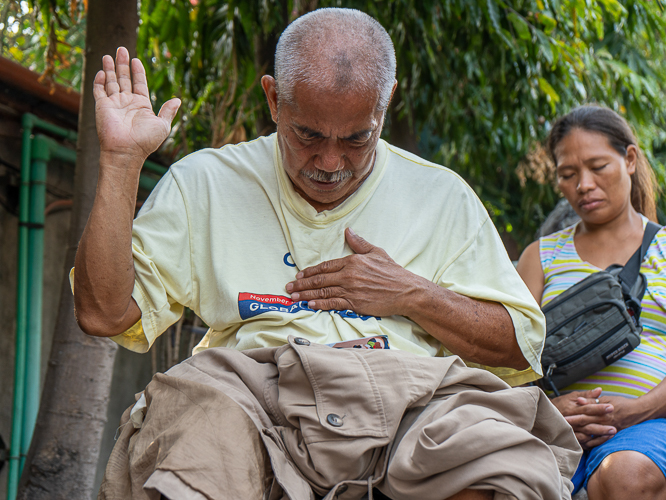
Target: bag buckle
(549, 372)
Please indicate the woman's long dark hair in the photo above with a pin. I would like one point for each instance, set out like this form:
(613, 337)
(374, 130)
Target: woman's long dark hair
(620, 136)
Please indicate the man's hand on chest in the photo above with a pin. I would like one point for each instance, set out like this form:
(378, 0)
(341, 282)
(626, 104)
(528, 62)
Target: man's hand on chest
(368, 282)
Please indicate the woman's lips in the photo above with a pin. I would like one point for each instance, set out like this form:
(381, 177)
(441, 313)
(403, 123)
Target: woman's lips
(590, 204)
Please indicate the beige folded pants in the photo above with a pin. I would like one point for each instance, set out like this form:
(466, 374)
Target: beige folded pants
(306, 421)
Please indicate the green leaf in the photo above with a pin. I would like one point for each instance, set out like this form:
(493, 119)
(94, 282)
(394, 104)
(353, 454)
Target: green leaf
(545, 46)
(520, 25)
(493, 12)
(547, 89)
(615, 8)
(549, 23)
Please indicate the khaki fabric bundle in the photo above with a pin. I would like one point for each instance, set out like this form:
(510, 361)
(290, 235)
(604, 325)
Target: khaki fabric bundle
(306, 419)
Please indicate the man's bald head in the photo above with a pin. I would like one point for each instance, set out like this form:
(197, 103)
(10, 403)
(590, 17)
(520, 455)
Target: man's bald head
(337, 50)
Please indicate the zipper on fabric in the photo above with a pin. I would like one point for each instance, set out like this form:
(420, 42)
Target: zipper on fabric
(594, 344)
(580, 313)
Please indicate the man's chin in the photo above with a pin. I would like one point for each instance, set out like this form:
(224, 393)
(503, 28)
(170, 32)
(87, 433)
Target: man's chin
(332, 197)
(327, 187)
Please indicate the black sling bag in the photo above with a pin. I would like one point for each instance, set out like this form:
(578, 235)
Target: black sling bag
(595, 322)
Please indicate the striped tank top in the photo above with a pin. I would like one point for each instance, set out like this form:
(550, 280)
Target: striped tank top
(642, 369)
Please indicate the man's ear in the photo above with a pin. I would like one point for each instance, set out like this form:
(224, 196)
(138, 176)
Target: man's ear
(269, 85)
(631, 158)
(395, 86)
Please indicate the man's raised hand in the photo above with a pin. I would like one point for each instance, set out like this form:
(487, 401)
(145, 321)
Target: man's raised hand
(126, 124)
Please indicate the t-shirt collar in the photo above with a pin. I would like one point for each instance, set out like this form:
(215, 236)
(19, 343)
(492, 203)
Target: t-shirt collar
(300, 207)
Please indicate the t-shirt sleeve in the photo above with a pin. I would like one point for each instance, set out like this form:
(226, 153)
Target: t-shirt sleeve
(483, 270)
(161, 248)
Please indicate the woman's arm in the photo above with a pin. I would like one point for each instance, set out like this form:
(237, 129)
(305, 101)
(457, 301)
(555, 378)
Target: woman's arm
(529, 268)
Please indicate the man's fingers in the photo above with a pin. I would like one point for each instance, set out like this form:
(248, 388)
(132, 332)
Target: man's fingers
(139, 77)
(99, 91)
(356, 243)
(329, 304)
(327, 267)
(123, 70)
(315, 282)
(111, 84)
(329, 292)
(169, 109)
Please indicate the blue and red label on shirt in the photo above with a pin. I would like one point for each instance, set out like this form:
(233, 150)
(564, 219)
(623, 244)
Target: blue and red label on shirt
(252, 304)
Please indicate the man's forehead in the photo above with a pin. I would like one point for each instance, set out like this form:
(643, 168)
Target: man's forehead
(354, 99)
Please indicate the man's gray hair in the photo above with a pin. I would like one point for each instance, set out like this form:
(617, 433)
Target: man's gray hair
(336, 49)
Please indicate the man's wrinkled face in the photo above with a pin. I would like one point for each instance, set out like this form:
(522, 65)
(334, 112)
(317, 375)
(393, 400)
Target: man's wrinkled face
(327, 141)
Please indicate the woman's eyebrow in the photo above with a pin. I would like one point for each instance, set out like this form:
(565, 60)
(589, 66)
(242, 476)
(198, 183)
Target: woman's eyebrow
(595, 159)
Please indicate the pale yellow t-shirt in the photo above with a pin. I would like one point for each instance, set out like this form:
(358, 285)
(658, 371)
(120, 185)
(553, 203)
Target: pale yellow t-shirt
(224, 232)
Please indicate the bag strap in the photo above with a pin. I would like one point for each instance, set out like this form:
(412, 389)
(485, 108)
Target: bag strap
(632, 268)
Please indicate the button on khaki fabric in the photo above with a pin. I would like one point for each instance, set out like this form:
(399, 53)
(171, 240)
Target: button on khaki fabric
(257, 424)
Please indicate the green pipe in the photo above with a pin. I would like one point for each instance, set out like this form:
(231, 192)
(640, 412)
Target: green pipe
(69, 155)
(35, 154)
(49, 127)
(40, 156)
(21, 313)
(147, 183)
(154, 167)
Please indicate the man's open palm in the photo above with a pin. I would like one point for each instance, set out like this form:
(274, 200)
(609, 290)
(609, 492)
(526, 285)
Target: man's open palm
(126, 123)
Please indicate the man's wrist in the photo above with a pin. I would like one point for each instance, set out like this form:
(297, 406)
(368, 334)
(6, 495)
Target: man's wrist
(420, 294)
(122, 161)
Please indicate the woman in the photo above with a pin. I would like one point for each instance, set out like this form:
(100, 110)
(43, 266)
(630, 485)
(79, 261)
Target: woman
(618, 414)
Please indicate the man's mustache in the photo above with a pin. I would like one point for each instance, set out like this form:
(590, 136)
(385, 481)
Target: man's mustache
(323, 176)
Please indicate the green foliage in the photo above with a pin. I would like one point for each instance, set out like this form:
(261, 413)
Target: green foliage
(480, 81)
(47, 36)
(485, 79)
(204, 52)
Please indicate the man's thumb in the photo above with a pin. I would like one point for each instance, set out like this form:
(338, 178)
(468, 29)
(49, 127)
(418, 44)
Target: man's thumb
(356, 243)
(169, 109)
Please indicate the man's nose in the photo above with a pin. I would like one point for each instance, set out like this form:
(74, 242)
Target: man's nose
(330, 158)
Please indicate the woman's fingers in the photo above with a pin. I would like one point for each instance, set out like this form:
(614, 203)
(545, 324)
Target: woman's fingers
(588, 442)
(597, 430)
(597, 440)
(123, 70)
(139, 76)
(589, 397)
(111, 83)
(582, 420)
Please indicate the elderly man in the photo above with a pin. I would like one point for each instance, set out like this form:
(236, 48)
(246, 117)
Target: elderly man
(260, 240)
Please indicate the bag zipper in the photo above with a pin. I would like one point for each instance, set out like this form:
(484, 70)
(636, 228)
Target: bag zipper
(594, 344)
(580, 313)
